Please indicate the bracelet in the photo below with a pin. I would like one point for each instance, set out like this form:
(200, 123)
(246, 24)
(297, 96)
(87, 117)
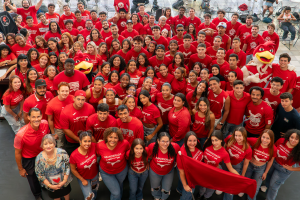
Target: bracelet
(49, 185)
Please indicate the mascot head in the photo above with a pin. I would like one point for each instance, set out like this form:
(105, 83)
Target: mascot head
(83, 63)
(265, 53)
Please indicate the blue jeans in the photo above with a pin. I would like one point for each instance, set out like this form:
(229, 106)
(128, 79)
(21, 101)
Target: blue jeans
(161, 184)
(288, 27)
(15, 125)
(229, 128)
(179, 184)
(202, 141)
(276, 177)
(91, 188)
(149, 131)
(239, 169)
(136, 184)
(187, 195)
(114, 183)
(255, 172)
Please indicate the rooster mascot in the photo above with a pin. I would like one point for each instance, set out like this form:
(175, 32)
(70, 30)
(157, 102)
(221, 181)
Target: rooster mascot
(259, 71)
(83, 64)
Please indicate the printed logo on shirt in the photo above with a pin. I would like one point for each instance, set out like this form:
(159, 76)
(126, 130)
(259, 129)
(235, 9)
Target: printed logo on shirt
(121, 5)
(166, 161)
(5, 21)
(286, 120)
(127, 132)
(87, 38)
(123, 24)
(113, 159)
(74, 86)
(88, 160)
(245, 35)
(267, 39)
(254, 119)
(232, 32)
(271, 102)
(262, 154)
(163, 110)
(253, 45)
(81, 118)
(54, 19)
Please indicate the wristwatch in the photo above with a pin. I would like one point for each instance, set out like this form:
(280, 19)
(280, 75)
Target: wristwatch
(221, 123)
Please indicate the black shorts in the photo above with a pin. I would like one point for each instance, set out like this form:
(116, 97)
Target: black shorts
(60, 193)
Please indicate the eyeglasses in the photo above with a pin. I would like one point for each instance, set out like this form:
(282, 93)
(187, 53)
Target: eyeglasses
(166, 142)
(132, 90)
(179, 29)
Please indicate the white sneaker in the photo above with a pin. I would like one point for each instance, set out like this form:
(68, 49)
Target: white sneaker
(241, 194)
(218, 192)
(291, 41)
(263, 188)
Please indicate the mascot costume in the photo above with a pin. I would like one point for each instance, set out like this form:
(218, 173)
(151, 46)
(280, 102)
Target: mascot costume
(83, 64)
(259, 71)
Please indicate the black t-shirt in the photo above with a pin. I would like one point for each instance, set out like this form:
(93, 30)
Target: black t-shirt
(285, 121)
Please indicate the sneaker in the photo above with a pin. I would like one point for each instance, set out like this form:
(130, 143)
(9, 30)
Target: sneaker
(283, 42)
(263, 188)
(178, 192)
(241, 194)
(218, 192)
(291, 41)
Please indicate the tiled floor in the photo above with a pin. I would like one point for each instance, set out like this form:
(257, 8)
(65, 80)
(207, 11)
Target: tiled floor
(15, 187)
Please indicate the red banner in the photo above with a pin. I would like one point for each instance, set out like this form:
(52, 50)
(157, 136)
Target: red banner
(199, 173)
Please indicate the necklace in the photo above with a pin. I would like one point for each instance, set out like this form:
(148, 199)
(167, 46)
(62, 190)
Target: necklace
(50, 160)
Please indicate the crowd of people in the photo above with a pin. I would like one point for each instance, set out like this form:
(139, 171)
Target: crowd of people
(154, 90)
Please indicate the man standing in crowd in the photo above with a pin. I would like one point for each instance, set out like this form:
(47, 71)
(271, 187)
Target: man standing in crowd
(259, 115)
(286, 117)
(67, 15)
(233, 25)
(98, 122)
(114, 30)
(85, 14)
(53, 111)
(158, 38)
(94, 17)
(180, 19)
(87, 30)
(148, 27)
(131, 127)
(223, 64)
(270, 35)
(226, 40)
(179, 36)
(163, 25)
(272, 95)
(236, 43)
(251, 42)
(54, 32)
(76, 79)
(133, 53)
(129, 32)
(201, 39)
(141, 12)
(43, 26)
(233, 60)
(73, 119)
(105, 32)
(208, 27)
(69, 28)
(282, 70)
(212, 50)
(51, 15)
(79, 23)
(220, 18)
(193, 19)
(239, 100)
(159, 58)
(201, 57)
(27, 148)
(244, 30)
(39, 100)
(187, 49)
(27, 10)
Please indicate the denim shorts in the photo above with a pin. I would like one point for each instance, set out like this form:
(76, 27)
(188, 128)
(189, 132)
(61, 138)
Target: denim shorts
(268, 4)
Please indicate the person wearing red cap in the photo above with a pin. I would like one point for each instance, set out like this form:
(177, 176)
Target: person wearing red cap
(76, 79)
(27, 146)
(39, 99)
(53, 111)
(98, 122)
(73, 119)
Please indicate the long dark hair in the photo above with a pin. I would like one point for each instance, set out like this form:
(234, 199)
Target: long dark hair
(53, 54)
(204, 94)
(113, 72)
(10, 87)
(208, 112)
(4, 46)
(216, 133)
(122, 62)
(146, 60)
(28, 88)
(23, 57)
(171, 150)
(271, 145)
(99, 34)
(30, 51)
(198, 145)
(148, 69)
(183, 98)
(146, 94)
(58, 28)
(130, 61)
(295, 154)
(57, 45)
(138, 141)
(194, 32)
(182, 60)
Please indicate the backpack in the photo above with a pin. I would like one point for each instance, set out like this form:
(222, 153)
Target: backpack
(255, 17)
(296, 15)
(177, 4)
(243, 18)
(205, 5)
(267, 20)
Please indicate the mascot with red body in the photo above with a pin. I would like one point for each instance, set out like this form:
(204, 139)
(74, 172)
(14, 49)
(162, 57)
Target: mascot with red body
(259, 71)
(83, 64)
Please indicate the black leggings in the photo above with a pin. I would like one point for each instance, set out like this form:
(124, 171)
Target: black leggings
(28, 164)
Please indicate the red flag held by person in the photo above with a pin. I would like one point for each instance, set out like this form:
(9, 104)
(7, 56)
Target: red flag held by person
(199, 173)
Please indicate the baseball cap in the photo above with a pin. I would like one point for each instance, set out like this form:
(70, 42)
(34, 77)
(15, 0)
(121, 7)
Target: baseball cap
(222, 24)
(129, 21)
(80, 93)
(40, 82)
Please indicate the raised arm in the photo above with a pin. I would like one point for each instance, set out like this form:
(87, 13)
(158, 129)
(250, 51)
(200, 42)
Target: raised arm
(38, 5)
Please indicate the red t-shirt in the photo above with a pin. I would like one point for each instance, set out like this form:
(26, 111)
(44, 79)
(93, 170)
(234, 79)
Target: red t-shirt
(77, 82)
(163, 80)
(211, 52)
(73, 32)
(85, 15)
(257, 117)
(216, 21)
(288, 77)
(148, 29)
(206, 61)
(129, 35)
(55, 107)
(236, 152)
(189, 88)
(197, 155)
(110, 39)
(105, 35)
(274, 38)
(241, 54)
(50, 86)
(196, 21)
(53, 18)
(155, 63)
(64, 18)
(86, 165)
(79, 26)
(138, 163)
(177, 20)
(252, 43)
(199, 126)
(132, 54)
(75, 120)
(17, 49)
(225, 39)
(121, 4)
(217, 102)
(274, 101)
(141, 17)
(134, 77)
(178, 86)
(85, 33)
(131, 130)
(283, 152)
(49, 35)
(33, 31)
(155, 84)
(121, 25)
(150, 114)
(162, 40)
(98, 127)
(164, 106)
(33, 101)
(13, 98)
(189, 100)
(166, 26)
(187, 52)
(161, 164)
(225, 69)
(261, 154)
(195, 43)
(39, 69)
(179, 41)
(179, 123)
(120, 91)
(242, 33)
(43, 28)
(208, 38)
(232, 29)
(31, 11)
(237, 108)
(113, 161)
(296, 93)
(29, 140)
(214, 157)
(9, 57)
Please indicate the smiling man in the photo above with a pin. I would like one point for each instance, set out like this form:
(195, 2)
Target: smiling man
(39, 99)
